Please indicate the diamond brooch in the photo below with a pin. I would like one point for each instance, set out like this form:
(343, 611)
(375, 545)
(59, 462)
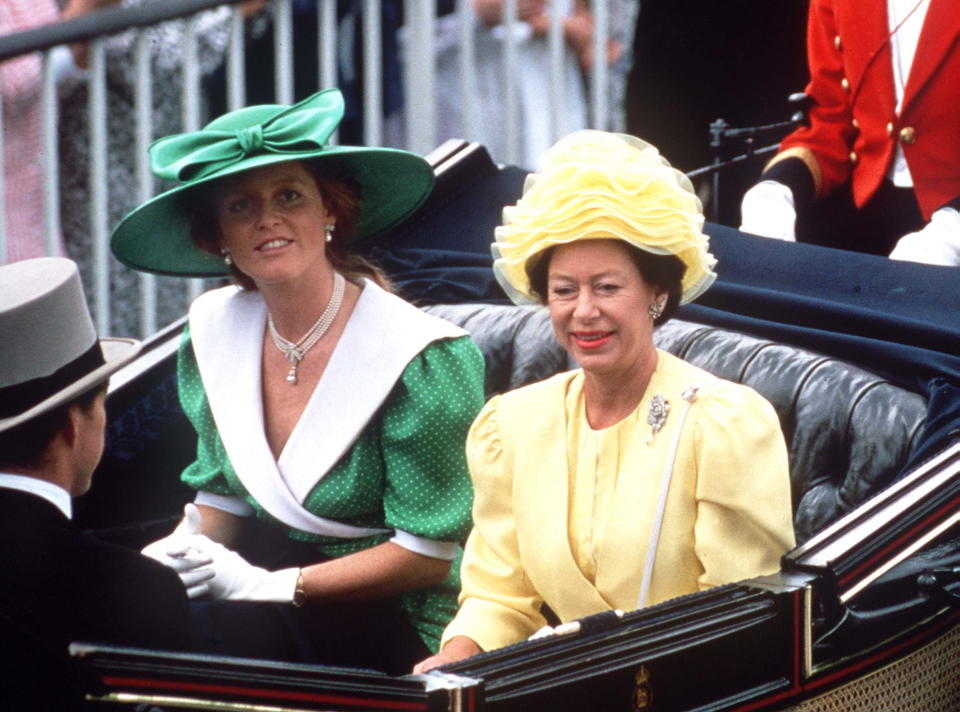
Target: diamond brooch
(657, 416)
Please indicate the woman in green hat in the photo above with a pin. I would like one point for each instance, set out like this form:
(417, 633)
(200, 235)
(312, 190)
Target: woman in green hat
(329, 412)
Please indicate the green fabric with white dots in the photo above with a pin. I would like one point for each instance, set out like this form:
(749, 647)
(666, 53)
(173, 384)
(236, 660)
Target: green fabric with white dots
(407, 470)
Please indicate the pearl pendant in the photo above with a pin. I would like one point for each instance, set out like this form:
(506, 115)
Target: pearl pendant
(292, 375)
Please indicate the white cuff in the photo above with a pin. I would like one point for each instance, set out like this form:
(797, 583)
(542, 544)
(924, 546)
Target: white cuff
(446, 550)
(227, 503)
(276, 586)
(768, 210)
(938, 243)
(948, 217)
(777, 190)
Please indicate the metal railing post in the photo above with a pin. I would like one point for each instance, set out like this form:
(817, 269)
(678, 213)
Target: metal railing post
(50, 158)
(510, 100)
(420, 103)
(599, 85)
(236, 72)
(191, 109)
(468, 69)
(556, 41)
(327, 43)
(3, 190)
(372, 74)
(99, 197)
(283, 50)
(327, 47)
(143, 109)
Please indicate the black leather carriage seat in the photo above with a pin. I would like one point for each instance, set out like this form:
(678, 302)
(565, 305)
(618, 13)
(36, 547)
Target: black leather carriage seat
(848, 431)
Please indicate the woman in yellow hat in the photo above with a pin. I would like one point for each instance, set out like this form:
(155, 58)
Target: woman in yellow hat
(329, 412)
(637, 477)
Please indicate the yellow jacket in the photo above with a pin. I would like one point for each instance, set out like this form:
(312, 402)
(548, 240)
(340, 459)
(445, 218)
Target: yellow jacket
(727, 514)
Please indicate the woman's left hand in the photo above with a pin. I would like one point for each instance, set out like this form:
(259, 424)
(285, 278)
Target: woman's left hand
(458, 648)
(235, 579)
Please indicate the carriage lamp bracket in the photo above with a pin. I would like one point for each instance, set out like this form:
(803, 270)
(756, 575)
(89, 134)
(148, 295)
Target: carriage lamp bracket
(721, 134)
(941, 584)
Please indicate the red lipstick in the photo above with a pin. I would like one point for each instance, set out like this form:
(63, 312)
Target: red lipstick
(589, 340)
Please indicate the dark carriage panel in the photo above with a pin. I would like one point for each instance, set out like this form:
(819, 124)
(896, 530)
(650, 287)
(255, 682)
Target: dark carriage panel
(641, 661)
(645, 660)
(130, 676)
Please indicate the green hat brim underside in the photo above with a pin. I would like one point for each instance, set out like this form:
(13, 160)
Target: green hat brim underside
(155, 237)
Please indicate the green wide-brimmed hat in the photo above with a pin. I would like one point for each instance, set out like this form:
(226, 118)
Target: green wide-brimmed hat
(155, 237)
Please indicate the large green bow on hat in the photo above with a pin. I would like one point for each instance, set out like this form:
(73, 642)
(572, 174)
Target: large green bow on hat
(305, 126)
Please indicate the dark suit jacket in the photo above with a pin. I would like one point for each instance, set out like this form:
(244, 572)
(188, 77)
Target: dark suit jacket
(59, 585)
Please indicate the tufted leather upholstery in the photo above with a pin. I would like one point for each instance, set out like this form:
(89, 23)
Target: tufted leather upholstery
(848, 431)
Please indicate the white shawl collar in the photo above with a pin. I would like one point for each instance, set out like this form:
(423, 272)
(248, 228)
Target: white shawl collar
(383, 335)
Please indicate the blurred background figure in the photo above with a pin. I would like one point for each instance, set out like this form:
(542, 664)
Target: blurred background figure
(165, 43)
(878, 169)
(21, 80)
(539, 127)
(623, 27)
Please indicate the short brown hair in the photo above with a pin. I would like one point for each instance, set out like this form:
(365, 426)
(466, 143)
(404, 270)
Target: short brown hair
(25, 444)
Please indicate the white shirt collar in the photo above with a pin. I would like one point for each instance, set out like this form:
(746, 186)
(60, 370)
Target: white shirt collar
(227, 326)
(56, 495)
(903, 48)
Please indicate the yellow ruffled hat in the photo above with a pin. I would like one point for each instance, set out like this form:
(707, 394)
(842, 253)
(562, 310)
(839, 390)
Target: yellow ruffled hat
(595, 185)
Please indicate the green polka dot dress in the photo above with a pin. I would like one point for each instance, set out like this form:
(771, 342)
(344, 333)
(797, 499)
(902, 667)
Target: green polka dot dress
(407, 470)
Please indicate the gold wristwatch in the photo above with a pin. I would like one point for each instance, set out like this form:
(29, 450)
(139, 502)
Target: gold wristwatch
(299, 595)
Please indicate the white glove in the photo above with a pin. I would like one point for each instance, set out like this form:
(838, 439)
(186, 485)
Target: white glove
(937, 243)
(544, 632)
(231, 577)
(175, 552)
(768, 210)
(562, 629)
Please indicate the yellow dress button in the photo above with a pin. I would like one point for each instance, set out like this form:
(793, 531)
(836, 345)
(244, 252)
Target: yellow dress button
(837, 43)
(853, 157)
(908, 135)
(845, 84)
(889, 128)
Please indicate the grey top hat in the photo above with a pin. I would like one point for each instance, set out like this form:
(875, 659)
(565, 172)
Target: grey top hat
(49, 351)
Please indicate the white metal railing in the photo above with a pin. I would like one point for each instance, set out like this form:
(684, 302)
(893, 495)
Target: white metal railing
(420, 132)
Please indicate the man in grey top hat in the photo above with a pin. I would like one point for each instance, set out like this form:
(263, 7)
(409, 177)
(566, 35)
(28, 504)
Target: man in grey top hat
(59, 584)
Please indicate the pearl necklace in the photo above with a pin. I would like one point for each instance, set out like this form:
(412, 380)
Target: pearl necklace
(296, 351)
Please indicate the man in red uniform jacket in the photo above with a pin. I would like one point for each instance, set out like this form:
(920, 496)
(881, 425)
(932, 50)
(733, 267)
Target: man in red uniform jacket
(883, 136)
